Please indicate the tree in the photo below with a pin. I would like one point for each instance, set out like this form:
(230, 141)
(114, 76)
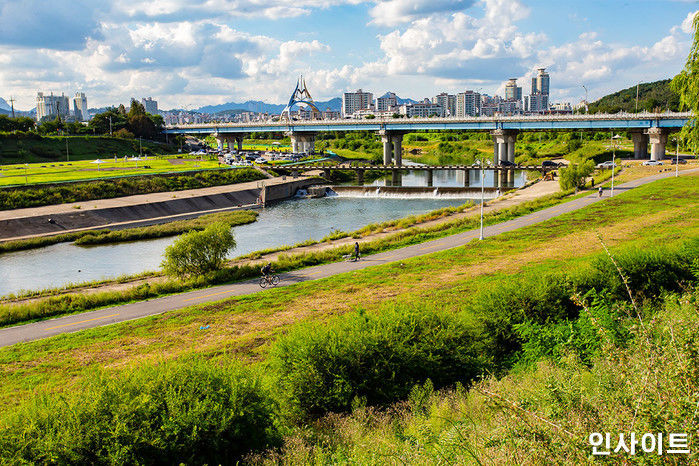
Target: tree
(574, 175)
(199, 252)
(686, 84)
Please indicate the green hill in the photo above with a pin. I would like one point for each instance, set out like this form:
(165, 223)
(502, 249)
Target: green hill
(655, 96)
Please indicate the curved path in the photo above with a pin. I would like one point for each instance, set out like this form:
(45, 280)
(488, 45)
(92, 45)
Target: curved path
(75, 322)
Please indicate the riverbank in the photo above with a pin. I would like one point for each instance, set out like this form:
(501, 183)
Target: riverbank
(143, 209)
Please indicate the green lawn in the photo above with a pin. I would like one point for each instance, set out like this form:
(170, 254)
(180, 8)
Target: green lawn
(38, 173)
(664, 212)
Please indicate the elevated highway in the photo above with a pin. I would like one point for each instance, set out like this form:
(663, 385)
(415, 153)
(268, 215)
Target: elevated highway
(645, 128)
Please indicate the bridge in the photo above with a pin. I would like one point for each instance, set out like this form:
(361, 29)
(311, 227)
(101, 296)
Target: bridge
(645, 128)
(504, 174)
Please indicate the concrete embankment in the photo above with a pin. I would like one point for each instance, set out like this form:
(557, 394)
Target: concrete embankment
(145, 209)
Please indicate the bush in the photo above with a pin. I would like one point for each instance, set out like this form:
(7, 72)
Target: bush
(167, 414)
(376, 358)
(199, 252)
(574, 175)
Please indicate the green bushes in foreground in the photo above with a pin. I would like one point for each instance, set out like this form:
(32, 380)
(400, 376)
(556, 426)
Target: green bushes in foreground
(16, 198)
(204, 413)
(192, 413)
(375, 359)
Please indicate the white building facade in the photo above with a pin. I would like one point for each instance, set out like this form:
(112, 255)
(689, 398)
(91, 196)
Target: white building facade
(51, 106)
(354, 101)
(468, 104)
(80, 107)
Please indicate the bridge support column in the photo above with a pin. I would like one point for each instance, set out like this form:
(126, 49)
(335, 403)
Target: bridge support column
(238, 143)
(387, 150)
(467, 181)
(360, 177)
(430, 178)
(504, 145)
(658, 139)
(640, 145)
(302, 142)
(397, 140)
(220, 139)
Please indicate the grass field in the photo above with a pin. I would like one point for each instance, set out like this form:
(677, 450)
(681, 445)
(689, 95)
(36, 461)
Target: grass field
(52, 149)
(664, 212)
(40, 173)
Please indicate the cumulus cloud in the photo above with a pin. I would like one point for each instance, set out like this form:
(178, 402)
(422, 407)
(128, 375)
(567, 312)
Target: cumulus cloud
(393, 12)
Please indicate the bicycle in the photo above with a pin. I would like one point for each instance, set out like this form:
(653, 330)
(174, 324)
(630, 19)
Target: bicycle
(351, 257)
(271, 280)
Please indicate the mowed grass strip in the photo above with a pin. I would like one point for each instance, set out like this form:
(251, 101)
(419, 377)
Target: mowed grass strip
(662, 212)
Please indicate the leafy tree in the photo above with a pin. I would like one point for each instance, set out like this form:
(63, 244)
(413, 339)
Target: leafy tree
(686, 84)
(574, 175)
(199, 252)
(16, 124)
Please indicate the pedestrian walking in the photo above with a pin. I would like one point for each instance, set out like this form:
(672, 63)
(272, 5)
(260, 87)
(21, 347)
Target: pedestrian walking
(356, 251)
(599, 192)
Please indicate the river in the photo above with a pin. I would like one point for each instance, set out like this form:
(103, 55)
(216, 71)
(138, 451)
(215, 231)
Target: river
(284, 223)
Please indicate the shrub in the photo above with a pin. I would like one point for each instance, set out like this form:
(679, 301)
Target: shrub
(199, 252)
(574, 175)
(191, 413)
(375, 358)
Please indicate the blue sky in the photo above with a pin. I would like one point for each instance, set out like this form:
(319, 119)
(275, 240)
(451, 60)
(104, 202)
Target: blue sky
(190, 53)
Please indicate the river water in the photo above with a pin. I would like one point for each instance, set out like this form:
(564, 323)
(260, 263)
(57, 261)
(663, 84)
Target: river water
(285, 223)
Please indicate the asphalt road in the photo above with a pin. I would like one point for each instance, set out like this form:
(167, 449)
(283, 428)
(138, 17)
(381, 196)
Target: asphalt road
(73, 323)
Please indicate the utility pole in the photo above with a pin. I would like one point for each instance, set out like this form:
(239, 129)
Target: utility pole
(67, 156)
(637, 97)
(12, 104)
(110, 126)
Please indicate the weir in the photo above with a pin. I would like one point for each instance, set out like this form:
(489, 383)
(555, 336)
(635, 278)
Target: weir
(407, 192)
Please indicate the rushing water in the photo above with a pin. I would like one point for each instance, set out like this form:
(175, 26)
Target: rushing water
(287, 222)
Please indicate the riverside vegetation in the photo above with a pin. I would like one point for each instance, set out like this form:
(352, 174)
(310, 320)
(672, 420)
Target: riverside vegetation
(522, 370)
(16, 198)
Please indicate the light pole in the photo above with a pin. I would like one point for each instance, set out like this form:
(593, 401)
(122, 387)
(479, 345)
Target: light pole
(26, 179)
(480, 162)
(677, 157)
(67, 156)
(614, 138)
(586, 109)
(110, 126)
(637, 97)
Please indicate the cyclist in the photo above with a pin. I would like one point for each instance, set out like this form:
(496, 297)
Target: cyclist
(356, 251)
(266, 269)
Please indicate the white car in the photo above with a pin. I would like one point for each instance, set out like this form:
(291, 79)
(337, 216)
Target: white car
(652, 162)
(607, 164)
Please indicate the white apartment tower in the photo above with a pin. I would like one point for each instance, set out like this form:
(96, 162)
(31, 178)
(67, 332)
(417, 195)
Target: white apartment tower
(386, 103)
(353, 101)
(468, 104)
(80, 107)
(512, 90)
(538, 100)
(51, 106)
(448, 103)
(150, 105)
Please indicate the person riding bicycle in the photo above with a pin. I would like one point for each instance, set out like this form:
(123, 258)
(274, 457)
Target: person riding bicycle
(266, 270)
(356, 251)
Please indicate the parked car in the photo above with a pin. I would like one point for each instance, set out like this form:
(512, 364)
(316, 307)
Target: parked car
(652, 162)
(607, 164)
(550, 164)
(677, 160)
(507, 163)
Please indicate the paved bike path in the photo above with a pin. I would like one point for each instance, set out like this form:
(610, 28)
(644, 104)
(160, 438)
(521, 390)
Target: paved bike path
(72, 323)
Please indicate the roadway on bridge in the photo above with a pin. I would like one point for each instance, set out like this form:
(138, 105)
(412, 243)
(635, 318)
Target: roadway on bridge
(47, 328)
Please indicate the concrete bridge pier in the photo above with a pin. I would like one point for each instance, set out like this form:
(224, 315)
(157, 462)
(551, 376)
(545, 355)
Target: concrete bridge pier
(640, 145)
(658, 140)
(302, 142)
(430, 178)
(392, 147)
(504, 145)
(238, 143)
(510, 177)
(360, 177)
(467, 182)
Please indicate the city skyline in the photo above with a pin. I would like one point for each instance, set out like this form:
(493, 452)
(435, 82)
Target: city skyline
(202, 53)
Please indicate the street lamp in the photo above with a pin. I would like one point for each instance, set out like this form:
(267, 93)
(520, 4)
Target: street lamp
(614, 138)
(480, 162)
(677, 157)
(586, 109)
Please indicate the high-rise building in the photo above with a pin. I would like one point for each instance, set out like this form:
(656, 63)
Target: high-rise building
(80, 107)
(387, 102)
(353, 101)
(448, 103)
(150, 105)
(538, 100)
(468, 104)
(512, 90)
(51, 106)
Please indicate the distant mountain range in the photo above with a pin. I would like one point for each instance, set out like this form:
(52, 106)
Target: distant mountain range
(262, 107)
(4, 105)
